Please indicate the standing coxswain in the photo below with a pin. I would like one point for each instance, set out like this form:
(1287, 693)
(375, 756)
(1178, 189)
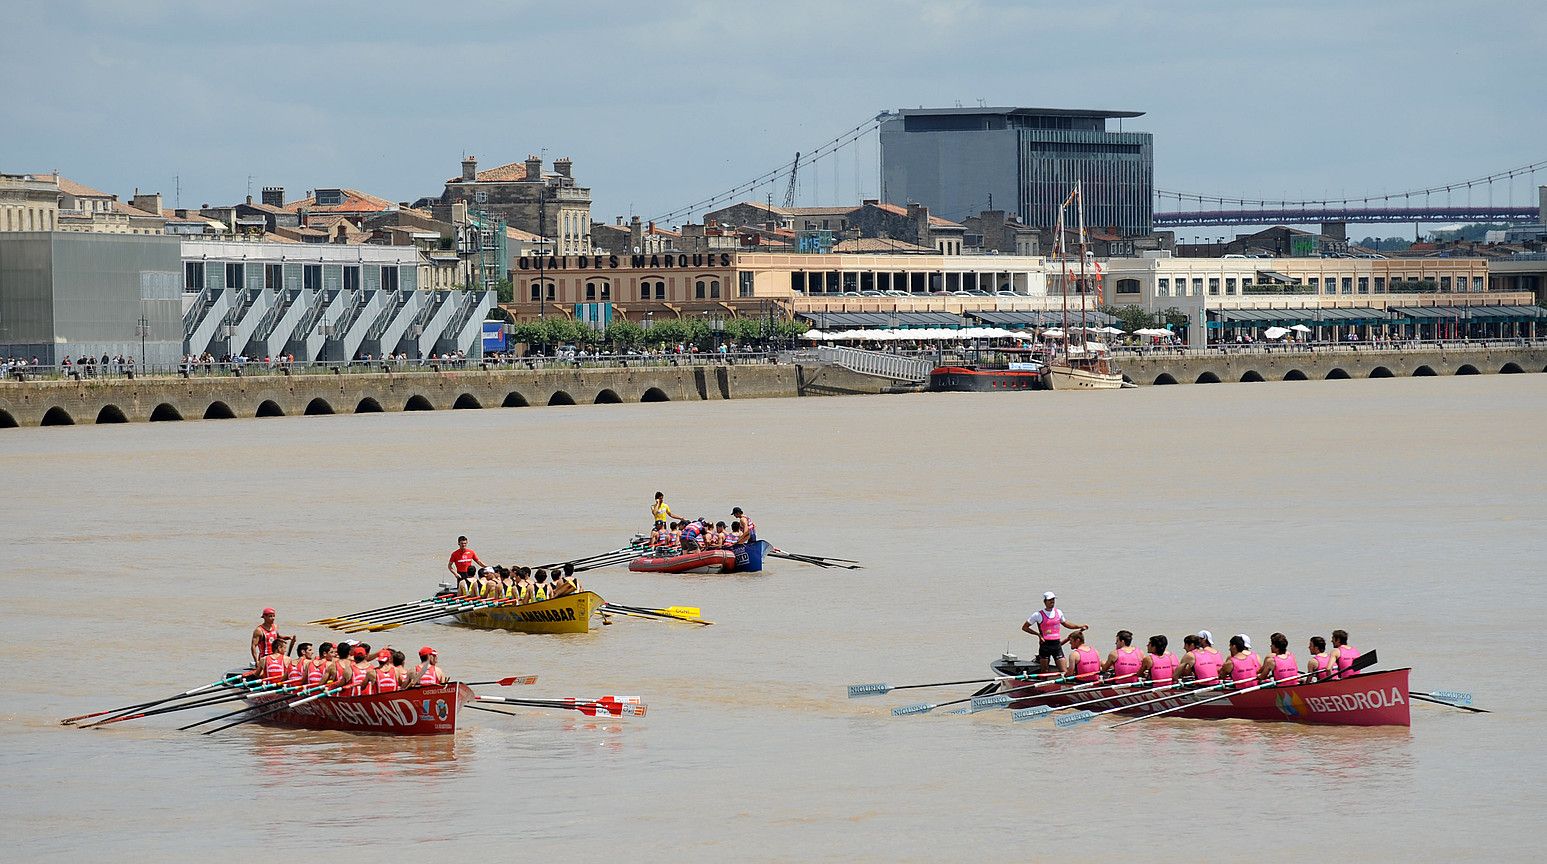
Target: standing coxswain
(748, 532)
(1048, 624)
(1343, 655)
(1319, 665)
(1124, 663)
(1280, 667)
(1241, 667)
(660, 511)
(464, 565)
(266, 638)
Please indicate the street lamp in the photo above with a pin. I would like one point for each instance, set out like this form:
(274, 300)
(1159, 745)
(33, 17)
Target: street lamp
(142, 329)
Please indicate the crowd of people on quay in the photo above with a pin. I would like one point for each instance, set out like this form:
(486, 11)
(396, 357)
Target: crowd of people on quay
(671, 531)
(1200, 662)
(518, 584)
(349, 666)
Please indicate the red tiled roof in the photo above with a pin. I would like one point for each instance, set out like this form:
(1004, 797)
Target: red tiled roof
(70, 187)
(872, 245)
(354, 201)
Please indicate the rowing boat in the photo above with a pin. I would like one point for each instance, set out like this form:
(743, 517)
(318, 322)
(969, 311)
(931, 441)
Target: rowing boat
(568, 614)
(416, 711)
(1367, 699)
(697, 561)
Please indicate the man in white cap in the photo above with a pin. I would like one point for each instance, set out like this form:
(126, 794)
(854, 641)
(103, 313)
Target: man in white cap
(1202, 663)
(1048, 624)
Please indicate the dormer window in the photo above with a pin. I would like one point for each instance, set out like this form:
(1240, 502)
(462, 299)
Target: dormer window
(330, 197)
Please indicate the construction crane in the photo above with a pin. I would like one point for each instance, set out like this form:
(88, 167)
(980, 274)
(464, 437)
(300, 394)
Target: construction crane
(789, 191)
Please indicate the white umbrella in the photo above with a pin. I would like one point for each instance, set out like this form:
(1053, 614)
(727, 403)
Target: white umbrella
(1113, 330)
(1276, 332)
(1053, 333)
(814, 334)
(1152, 331)
(1300, 328)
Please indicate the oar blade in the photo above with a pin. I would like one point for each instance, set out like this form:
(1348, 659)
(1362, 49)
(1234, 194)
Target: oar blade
(1031, 713)
(909, 710)
(1455, 697)
(518, 679)
(988, 703)
(1074, 719)
(857, 691)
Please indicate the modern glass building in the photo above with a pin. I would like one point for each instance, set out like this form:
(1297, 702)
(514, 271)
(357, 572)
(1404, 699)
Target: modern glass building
(962, 161)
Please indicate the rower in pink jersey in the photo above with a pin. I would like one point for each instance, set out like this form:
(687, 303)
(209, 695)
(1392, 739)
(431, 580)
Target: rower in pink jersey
(1280, 667)
(1241, 666)
(1048, 624)
(1125, 661)
(1319, 663)
(1159, 667)
(1084, 661)
(1343, 654)
(1204, 661)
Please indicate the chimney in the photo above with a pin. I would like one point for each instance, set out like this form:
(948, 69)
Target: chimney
(636, 235)
(619, 222)
(274, 196)
(249, 200)
(150, 202)
(562, 165)
(534, 167)
(469, 168)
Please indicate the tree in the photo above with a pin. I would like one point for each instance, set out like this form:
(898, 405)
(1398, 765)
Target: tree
(505, 291)
(624, 334)
(1174, 318)
(1130, 317)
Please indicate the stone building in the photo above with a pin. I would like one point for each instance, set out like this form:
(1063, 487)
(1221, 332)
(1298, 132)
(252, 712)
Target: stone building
(28, 202)
(634, 237)
(995, 231)
(912, 224)
(548, 204)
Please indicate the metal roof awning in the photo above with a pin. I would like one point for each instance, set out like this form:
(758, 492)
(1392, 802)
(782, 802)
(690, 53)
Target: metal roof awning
(1275, 277)
(1268, 317)
(826, 320)
(1038, 318)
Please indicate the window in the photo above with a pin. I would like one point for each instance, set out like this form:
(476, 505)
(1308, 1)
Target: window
(1477, 283)
(714, 289)
(234, 273)
(1127, 286)
(1163, 287)
(606, 290)
(352, 278)
(552, 290)
(797, 281)
(1197, 287)
(193, 276)
(273, 276)
(537, 292)
(660, 290)
(1315, 283)
(744, 289)
(1380, 284)
(1444, 283)
(329, 197)
(698, 290)
(1214, 286)
(481, 197)
(590, 290)
(389, 277)
(1348, 284)
(1230, 285)
(311, 277)
(1364, 284)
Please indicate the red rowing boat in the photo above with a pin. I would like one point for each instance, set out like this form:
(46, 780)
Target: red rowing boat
(1367, 699)
(700, 561)
(416, 711)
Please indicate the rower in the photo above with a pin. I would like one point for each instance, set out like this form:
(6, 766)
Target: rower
(660, 511)
(1124, 663)
(273, 664)
(341, 672)
(317, 669)
(1204, 661)
(561, 586)
(691, 532)
(1048, 624)
(384, 678)
(569, 573)
(524, 584)
(1241, 666)
(1319, 664)
(427, 673)
(659, 536)
(1343, 654)
(749, 528)
(1159, 667)
(265, 637)
(358, 685)
(296, 675)
(398, 660)
(540, 586)
(1085, 659)
(1184, 663)
(464, 564)
(1281, 667)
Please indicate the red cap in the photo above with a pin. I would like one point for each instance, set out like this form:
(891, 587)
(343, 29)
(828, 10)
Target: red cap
(384, 654)
(358, 653)
(426, 651)
(268, 610)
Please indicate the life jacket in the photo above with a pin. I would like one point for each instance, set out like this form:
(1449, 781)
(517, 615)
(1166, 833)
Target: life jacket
(1125, 669)
(1285, 668)
(1087, 663)
(1347, 654)
(1162, 669)
(1206, 663)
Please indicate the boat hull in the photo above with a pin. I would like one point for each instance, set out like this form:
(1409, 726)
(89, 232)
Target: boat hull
(1369, 699)
(416, 711)
(979, 379)
(700, 561)
(568, 614)
(1072, 378)
(749, 556)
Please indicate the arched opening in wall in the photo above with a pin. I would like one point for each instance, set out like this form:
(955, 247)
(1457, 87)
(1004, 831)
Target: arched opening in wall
(1380, 372)
(418, 403)
(164, 412)
(1252, 375)
(368, 406)
(466, 400)
(561, 398)
(1337, 375)
(607, 397)
(7, 421)
(111, 414)
(1294, 375)
(1510, 369)
(1207, 378)
(655, 394)
(318, 406)
(1467, 369)
(514, 400)
(57, 416)
(1423, 372)
(1164, 378)
(269, 408)
(219, 411)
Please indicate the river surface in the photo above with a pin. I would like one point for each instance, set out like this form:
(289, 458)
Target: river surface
(1412, 512)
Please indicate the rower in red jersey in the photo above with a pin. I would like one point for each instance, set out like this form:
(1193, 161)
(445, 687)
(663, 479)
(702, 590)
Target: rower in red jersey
(1125, 661)
(266, 636)
(359, 659)
(274, 666)
(1084, 660)
(341, 672)
(428, 673)
(1319, 663)
(296, 675)
(1343, 655)
(1159, 667)
(316, 670)
(1241, 667)
(1280, 667)
(384, 678)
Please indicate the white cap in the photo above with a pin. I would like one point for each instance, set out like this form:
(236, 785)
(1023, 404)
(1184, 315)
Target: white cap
(1048, 595)
(1245, 639)
(1206, 636)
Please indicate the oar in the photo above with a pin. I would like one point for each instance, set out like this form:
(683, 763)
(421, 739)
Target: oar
(1425, 697)
(267, 710)
(449, 608)
(202, 702)
(824, 558)
(1363, 661)
(995, 700)
(689, 614)
(127, 708)
(506, 682)
(377, 611)
(407, 610)
(264, 688)
(1454, 697)
(881, 689)
(586, 706)
(1067, 720)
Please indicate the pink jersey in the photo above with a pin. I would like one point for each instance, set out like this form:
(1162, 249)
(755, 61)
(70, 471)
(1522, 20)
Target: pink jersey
(1050, 624)
(1322, 662)
(1347, 654)
(1285, 668)
(1162, 669)
(1244, 669)
(1087, 663)
(1206, 663)
(1125, 668)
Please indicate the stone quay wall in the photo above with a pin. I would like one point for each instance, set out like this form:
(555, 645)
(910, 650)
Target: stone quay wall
(1300, 365)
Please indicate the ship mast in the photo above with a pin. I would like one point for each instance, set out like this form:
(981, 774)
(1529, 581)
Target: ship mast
(1079, 200)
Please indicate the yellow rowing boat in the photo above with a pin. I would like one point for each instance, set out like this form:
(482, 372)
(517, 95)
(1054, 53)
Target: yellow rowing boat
(568, 614)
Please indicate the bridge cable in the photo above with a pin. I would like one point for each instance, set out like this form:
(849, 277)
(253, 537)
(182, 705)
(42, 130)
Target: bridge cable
(1222, 200)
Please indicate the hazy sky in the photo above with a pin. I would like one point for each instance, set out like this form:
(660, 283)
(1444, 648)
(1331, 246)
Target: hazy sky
(663, 103)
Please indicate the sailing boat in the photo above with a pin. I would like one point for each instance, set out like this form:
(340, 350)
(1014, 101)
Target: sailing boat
(1088, 365)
